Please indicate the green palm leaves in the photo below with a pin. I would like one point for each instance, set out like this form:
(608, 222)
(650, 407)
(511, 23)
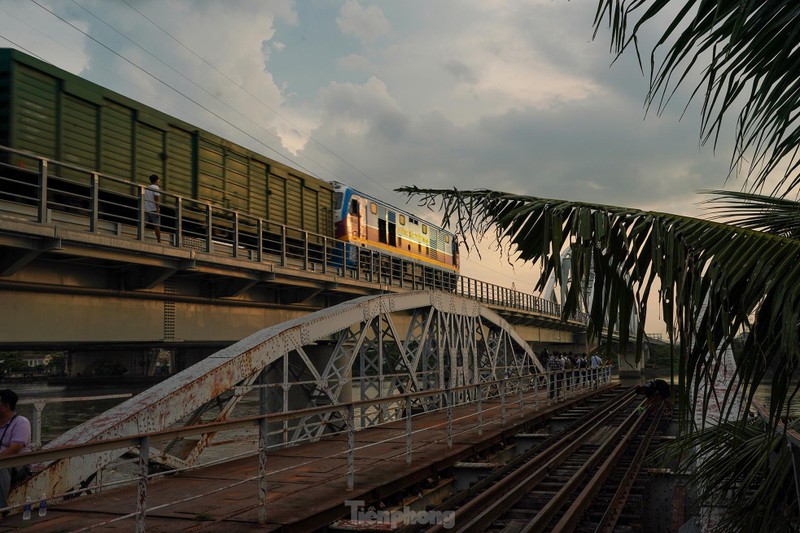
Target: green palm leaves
(716, 280)
(747, 56)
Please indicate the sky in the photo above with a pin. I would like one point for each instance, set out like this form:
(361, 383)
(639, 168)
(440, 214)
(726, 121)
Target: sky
(512, 95)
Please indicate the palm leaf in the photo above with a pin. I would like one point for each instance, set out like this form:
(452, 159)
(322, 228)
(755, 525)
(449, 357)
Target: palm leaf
(716, 280)
(778, 216)
(747, 56)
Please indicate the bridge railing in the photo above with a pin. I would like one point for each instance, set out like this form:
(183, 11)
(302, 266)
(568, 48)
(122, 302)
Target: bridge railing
(45, 191)
(493, 400)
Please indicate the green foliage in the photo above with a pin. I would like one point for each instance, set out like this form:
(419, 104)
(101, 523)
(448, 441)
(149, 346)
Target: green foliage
(747, 56)
(717, 280)
(13, 363)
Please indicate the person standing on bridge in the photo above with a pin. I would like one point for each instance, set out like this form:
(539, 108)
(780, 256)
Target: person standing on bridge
(15, 438)
(555, 368)
(596, 364)
(152, 210)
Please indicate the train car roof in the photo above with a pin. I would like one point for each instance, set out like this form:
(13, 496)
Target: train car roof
(398, 209)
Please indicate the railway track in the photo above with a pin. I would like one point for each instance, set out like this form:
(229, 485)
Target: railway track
(576, 480)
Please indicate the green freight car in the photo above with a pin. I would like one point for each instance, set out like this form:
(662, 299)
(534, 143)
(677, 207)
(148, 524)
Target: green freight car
(60, 116)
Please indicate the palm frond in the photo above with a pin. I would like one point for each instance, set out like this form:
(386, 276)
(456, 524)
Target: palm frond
(758, 212)
(717, 280)
(739, 463)
(747, 54)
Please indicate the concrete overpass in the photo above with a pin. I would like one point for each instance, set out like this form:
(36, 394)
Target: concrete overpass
(72, 280)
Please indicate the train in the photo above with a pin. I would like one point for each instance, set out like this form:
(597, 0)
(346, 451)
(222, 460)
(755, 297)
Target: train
(60, 116)
(364, 221)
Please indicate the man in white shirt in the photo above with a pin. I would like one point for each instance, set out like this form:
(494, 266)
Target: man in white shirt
(15, 438)
(152, 213)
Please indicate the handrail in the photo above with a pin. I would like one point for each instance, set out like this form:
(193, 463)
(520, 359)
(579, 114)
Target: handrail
(208, 228)
(62, 452)
(40, 403)
(568, 382)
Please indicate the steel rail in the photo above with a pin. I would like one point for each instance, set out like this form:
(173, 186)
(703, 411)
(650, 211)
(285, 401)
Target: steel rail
(575, 511)
(614, 510)
(486, 507)
(630, 426)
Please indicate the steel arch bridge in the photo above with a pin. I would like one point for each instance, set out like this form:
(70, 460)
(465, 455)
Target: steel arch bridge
(385, 345)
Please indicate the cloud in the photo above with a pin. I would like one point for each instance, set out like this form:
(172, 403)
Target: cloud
(368, 24)
(354, 62)
(460, 71)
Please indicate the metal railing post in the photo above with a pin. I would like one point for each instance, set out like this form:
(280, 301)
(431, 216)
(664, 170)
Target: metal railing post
(141, 216)
(262, 470)
(259, 240)
(178, 221)
(521, 397)
(305, 250)
(95, 200)
(42, 215)
(503, 401)
(235, 234)
(263, 443)
(536, 391)
(449, 419)
(324, 255)
(351, 446)
(209, 230)
(409, 448)
(36, 436)
(141, 501)
(480, 410)
(283, 246)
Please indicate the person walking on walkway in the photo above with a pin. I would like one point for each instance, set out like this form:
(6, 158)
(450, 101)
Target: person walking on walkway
(15, 438)
(152, 209)
(596, 364)
(554, 367)
(582, 364)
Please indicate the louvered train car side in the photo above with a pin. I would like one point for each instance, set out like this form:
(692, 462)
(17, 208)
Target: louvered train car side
(54, 114)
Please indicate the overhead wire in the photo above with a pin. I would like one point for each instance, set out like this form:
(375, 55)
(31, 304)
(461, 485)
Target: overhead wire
(156, 78)
(287, 120)
(217, 115)
(215, 97)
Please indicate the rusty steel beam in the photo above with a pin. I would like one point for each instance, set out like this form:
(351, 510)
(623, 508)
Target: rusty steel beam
(457, 340)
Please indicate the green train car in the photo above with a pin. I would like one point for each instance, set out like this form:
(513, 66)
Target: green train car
(58, 115)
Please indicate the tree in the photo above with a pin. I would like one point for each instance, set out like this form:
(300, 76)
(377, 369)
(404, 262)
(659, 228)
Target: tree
(13, 363)
(747, 53)
(717, 279)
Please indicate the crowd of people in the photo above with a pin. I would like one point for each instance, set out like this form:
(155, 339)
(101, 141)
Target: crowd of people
(567, 370)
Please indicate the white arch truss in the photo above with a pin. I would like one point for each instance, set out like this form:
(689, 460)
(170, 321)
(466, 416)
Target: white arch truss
(370, 347)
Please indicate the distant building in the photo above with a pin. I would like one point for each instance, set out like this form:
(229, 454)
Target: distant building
(36, 359)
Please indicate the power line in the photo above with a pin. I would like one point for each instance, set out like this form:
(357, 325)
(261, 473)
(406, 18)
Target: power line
(167, 84)
(185, 77)
(259, 100)
(218, 116)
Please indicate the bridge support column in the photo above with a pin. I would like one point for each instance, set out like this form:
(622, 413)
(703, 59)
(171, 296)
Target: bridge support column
(630, 372)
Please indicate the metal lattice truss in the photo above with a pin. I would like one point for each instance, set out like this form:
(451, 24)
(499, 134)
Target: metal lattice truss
(368, 348)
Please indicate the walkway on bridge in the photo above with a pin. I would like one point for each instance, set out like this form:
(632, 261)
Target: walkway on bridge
(307, 484)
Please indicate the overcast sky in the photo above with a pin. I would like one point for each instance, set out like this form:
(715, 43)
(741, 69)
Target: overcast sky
(510, 95)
